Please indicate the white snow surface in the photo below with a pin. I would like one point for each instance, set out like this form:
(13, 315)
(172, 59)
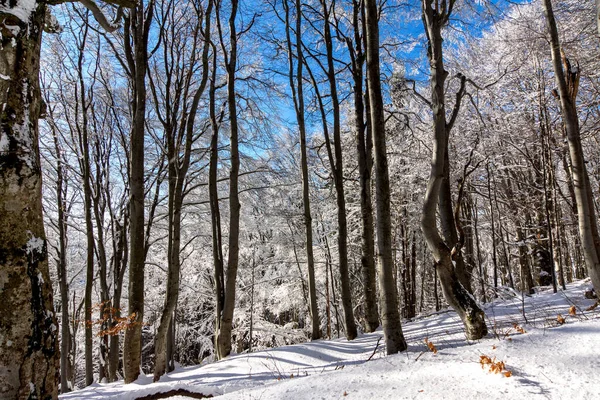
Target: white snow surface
(22, 9)
(548, 361)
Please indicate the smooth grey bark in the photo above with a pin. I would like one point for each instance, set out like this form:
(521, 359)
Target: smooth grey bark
(435, 16)
(390, 315)
(297, 88)
(29, 354)
(448, 225)
(567, 81)
(137, 26)
(225, 326)
(180, 138)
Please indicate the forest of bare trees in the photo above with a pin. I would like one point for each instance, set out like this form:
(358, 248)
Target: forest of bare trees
(181, 180)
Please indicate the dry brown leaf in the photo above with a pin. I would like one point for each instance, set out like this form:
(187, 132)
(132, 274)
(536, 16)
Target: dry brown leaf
(431, 346)
(560, 319)
(572, 310)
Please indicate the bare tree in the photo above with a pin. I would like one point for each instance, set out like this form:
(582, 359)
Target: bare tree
(298, 98)
(225, 323)
(435, 15)
(136, 31)
(178, 90)
(567, 81)
(390, 315)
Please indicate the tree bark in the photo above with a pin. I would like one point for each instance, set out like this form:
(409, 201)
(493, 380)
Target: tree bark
(61, 266)
(298, 97)
(434, 18)
(338, 177)
(390, 316)
(567, 82)
(136, 30)
(225, 325)
(180, 137)
(29, 354)
(215, 214)
(85, 166)
(364, 147)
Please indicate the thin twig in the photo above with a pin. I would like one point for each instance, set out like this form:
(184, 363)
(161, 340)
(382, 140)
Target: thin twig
(375, 350)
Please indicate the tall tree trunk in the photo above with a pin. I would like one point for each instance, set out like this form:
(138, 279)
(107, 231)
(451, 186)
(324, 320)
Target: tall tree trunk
(120, 259)
(434, 18)
(61, 267)
(137, 28)
(179, 140)
(225, 325)
(364, 146)
(298, 97)
(390, 316)
(338, 177)
(82, 128)
(567, 82)
(215, 214)
(29, 354)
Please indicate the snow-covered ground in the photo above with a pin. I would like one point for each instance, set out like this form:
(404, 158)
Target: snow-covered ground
(548, 360)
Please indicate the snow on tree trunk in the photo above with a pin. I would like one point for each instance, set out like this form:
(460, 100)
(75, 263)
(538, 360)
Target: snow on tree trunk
(29, 355)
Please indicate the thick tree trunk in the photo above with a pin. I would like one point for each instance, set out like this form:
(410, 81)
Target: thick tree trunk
(455, 293)
(448, 224)
(390, 316)
(567, 82)
(137, 56)
(29, 354)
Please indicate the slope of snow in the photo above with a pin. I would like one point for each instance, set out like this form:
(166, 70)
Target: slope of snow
(548, 360)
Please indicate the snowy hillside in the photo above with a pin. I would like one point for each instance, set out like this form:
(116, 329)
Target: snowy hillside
(542, 357)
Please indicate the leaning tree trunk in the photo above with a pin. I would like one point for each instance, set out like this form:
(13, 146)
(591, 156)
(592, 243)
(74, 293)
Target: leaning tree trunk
(434, 18)
(567, 81)
(390, 315)
(29, 356)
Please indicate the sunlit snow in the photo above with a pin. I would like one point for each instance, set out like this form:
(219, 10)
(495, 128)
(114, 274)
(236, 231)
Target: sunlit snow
(547, 361)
